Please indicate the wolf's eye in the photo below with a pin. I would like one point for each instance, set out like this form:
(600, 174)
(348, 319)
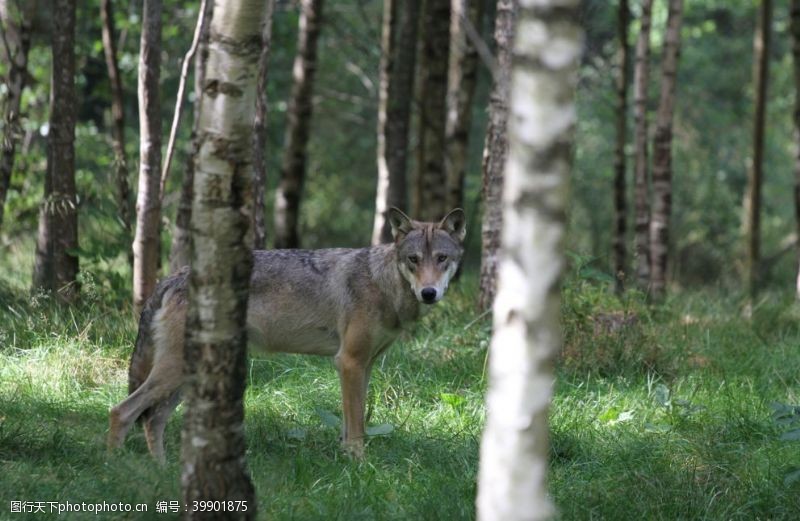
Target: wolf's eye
(441, 258)
(413, 259)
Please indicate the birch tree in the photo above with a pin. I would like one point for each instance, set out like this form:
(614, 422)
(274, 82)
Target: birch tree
(620, 192)
(641, 168)
(662, 153)
(298, 117)
(213, 442)
(56, 263)
(495, 152)
(16, 19)
(398, 63)
(461, 80)
(514, 449)
(260, 132)
(179, 249)
(755, 174)
(148, 204)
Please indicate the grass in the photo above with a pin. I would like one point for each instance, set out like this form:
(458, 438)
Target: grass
(665, 417)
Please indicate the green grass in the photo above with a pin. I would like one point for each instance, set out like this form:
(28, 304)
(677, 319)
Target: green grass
(667, 418)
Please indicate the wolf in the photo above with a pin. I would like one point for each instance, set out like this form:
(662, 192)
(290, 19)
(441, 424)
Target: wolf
(350, 304)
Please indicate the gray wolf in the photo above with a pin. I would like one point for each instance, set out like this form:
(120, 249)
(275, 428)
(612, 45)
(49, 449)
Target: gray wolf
(350, 304)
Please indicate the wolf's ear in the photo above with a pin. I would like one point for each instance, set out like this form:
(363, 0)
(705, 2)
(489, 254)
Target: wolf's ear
(455, 223)
(400, 222)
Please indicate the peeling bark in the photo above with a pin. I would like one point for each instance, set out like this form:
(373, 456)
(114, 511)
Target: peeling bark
(641, 80)
(260, 132)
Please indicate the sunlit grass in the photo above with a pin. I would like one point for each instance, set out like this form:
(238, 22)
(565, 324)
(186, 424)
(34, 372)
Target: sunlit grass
(684, 432)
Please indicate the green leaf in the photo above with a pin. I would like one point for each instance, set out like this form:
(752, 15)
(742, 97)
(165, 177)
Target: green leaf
(380, 430)
(453, 400)
(609, 415)
(791, 435)
(328, 418)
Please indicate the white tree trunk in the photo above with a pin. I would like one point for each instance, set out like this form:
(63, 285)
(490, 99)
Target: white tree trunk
(514, 449)
(213, 435)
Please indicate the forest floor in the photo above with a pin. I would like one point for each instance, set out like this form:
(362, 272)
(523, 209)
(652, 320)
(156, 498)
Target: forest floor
(670, 412)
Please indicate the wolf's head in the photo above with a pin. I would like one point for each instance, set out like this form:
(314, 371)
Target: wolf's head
(428, 254)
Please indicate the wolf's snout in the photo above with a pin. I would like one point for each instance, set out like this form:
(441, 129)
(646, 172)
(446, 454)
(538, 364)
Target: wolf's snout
(428, 295)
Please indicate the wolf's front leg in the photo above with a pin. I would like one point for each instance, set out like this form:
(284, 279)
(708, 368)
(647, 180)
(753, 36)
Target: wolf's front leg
(353, 378)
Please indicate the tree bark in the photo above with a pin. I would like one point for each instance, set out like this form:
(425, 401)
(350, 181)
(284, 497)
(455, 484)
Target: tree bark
(125, 208)
(755, 174)
(795, 30)
(213, 442)
(398, 63)
(641, 81)
(462, 77)
(16, 17)
(148, 205)
(293, 167)
(620, 197)
(260, 132)
(662, 153)
(179, 249)
(527, 335)
(56, 262)
(495, 152)
(430, 181)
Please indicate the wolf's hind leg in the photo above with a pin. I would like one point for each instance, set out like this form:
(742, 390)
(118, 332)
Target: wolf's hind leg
(160, 385)
(156, 423)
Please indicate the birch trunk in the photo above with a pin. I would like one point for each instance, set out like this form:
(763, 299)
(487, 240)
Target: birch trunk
(16, 18)
(620, 197)
(641, 80)
(662, 153)
(398, 61)
(795, 30)
(461, 81)
(117, 115)
(148, 205)
(56, 264)
(495, 152)
(512, 482)
(179, 249)
(293, 167)
(260, 132)
(755, 175)
(213, 441)
(430, 182)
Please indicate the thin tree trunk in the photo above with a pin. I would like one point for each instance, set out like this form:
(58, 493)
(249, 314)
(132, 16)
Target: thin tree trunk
(398, 62)
(176, 116)
(755, 175)
(16, 18)
(620, 198)
(795, 29)
(125, 208)
(641, 81)
(430, 181)
(462, 77)
(527, 335)
(662, 153)
(495, 152)
(260, 132)
(213, 441)
(293, 167)
(148, 205)
(179, 249)
(56, 263)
